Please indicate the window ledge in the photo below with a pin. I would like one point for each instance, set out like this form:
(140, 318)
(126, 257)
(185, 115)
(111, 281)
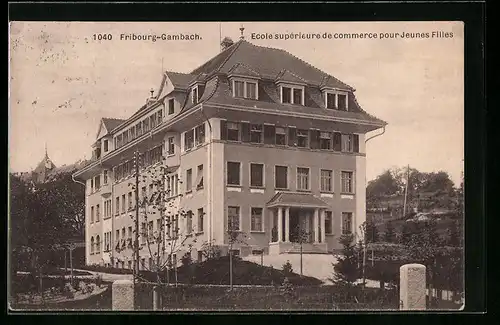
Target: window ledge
(304, 191)
(257, 232)
(257, 187)
(347, 193)
(326, 192)
(230, 185)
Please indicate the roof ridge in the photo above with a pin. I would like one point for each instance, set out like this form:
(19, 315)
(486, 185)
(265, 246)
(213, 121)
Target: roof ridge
(305, 62)
(236, 46)
(227, 49)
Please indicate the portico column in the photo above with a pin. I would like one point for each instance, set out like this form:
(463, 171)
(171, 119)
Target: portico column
(280, 224)
(316, 221)
(287, 224)
(322, 226)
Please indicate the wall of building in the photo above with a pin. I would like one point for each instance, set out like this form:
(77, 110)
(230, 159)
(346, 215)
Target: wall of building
(293, 158)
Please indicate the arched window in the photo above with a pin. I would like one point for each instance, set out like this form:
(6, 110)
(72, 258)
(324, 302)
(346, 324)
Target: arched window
(98, 244)
(92, 245)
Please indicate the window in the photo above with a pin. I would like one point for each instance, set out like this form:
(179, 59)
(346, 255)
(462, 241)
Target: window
(97, 182)
(355, 142)
(123, 203)
(347, 142)
(251, 90)
(160, 116)
(132, 132)
(297, 96)
(145, 126)
(171, 109)
(302, 138)
(176, 226)
(189, 180)
(233, 218)
(154, 121)
(200, 134)
(233, 131)
(92, 244)
(326, 180)
(189, 222)
(130, 201)
(346, 223)
(91, 214)
(138, 129)
(286, 95)
(106, 146)
(125, 137)
(239, 89)
(255, 133)
(280, 136)
(330, 101)
(257, 175)
(98, 244)
(302, 178)
(325, 140)
(91, 185)
(97, 212)
(292, 95)
(347, 182)
(117, 237)
(117, 206)
(168, 225)
(171, 146)
(188, 140)
(337, 141)
(328, 223)
(143, 233)
(200, 219)
(342, 102)
(150, 230)
(256, 223)
(199, 178)
(281, 177)
(123, 233)
(105, 177)
(200, 256)
(233, 173)
(194, 95)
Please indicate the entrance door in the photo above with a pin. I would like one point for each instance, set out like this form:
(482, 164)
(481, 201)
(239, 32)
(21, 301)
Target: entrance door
(294, 225)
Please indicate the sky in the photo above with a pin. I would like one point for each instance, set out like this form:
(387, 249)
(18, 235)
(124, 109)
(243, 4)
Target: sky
(63, 81)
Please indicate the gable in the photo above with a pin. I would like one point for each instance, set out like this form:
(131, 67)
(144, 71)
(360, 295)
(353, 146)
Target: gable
(166, 86)
(102, 130)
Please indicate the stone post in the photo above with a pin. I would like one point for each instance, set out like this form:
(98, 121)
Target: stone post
(122, 295)
(412, 289)
(156, 298)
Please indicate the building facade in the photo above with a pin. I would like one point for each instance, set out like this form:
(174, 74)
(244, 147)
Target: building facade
(255, 142)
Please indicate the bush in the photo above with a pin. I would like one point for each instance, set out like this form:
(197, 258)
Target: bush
(186, 259)
(98, 280)
(76, 284)
(287, 268)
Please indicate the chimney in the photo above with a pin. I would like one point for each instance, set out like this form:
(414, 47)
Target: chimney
(226, 42)
(151, 98)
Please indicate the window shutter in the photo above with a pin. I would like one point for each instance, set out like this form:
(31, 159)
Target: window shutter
(269, 134)
(356, 142)
(245, 132)
(337, 141)
(314, 139)
(292, 137)
(223, 130)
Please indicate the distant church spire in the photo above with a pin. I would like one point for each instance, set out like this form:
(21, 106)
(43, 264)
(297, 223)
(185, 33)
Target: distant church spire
(46, 154)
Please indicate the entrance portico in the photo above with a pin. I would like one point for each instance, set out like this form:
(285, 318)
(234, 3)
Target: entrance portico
(297, 220)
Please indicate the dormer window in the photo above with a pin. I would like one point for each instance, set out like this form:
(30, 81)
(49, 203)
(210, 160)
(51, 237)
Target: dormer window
(243, 88)
(195, 95)
(336, 99)
(292, 94)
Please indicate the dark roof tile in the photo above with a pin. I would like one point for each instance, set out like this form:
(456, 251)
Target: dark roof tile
(112, 123)
(296, 199)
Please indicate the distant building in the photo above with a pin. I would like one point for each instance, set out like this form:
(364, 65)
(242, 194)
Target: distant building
(255, 140)
(47, 171)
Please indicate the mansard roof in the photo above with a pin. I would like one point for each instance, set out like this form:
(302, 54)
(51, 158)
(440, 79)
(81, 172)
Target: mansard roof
(112, 123)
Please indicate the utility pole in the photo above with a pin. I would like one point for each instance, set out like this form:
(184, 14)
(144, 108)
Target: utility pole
(406, 190)
(136, 244)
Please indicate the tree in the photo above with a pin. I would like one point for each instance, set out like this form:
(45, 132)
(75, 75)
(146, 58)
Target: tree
(346, 269)
(386, 184)
(160, 206)
(234, 236)
(389, 234)
(454, 234)
(406, 233)
(370, 232)
(423, 247)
